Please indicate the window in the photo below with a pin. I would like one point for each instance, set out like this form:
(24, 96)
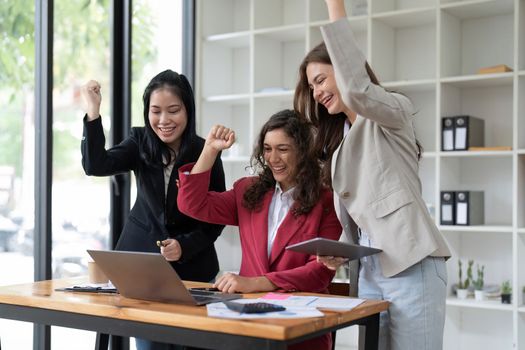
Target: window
(17, 65)
(156, 46)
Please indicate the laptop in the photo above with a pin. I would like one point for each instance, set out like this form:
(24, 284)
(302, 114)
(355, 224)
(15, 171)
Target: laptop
(149, 276)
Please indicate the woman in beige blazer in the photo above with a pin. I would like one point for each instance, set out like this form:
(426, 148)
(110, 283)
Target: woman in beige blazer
(366, 134)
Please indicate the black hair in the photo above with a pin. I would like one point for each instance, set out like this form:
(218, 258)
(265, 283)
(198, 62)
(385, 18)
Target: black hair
(177, 84)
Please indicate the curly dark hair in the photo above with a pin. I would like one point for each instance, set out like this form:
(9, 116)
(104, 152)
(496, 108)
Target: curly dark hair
(307, 173)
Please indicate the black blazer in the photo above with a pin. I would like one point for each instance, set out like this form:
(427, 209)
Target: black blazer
(155, 216)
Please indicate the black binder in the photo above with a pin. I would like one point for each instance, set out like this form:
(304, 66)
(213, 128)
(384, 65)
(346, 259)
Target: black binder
(468, 132)
(470, 208)
(448, 208)
(447, 133)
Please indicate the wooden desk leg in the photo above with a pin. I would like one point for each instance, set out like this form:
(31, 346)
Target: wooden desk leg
(370, 328)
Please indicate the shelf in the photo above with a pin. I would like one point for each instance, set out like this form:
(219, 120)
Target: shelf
(398, 41)
(225, 16)
(479, 8)
(486, 304)
(287, 33)
(232, 40)
(479, 80)
(229, 99)
(226, 64)
(407, 18)
(283, 95)
(410, 85)
(428, 155)
(393, 6)
(277, 55)
(277, 13)
(452, 154)
(431, 52)
(476, 35)
(487, 228)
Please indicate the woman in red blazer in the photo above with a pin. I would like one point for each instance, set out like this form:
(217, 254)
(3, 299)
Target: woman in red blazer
(284, 204)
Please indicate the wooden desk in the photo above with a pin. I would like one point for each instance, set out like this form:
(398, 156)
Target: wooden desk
(180, 324)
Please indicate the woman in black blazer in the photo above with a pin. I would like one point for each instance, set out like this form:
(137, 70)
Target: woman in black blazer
(154, 153)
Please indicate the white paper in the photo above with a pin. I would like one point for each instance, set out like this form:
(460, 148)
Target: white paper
(331, 303)
(448, 140)
(292, 300)
(446, 212)
(461, 213)
(220, 310)
(461, 138)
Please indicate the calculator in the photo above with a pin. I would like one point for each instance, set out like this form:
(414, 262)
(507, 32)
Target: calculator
(253, 308)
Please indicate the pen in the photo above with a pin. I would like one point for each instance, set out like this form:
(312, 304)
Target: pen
(161, 244)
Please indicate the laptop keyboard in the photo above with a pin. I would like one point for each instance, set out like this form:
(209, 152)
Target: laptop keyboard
(201, 298)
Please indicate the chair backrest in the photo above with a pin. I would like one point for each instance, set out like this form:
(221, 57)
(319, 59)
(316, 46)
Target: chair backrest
(339, 288)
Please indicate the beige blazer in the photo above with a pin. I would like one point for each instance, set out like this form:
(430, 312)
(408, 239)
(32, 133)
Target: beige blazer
(375, 169)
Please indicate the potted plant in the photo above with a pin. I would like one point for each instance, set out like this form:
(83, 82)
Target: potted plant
(462, 290)
(506, 292)
(478, 284)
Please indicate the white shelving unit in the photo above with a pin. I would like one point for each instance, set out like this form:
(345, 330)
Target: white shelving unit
(248, 53)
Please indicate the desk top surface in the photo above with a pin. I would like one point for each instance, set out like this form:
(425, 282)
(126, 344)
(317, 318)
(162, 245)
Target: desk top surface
(43, 295)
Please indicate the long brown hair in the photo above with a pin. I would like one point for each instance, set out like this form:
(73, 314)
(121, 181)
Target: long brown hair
(329, 127)
(307, 173)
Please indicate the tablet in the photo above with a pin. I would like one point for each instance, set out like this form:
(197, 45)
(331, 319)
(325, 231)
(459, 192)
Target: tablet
(329, 247)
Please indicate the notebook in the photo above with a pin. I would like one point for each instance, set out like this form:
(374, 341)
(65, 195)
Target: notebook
(149, 276)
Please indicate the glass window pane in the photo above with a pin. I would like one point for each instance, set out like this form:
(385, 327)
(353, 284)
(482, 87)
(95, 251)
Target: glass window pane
(157, 46)
(80, 203)
(17, 67)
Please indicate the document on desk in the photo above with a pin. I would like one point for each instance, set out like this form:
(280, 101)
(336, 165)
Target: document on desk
(330, 303)
(297, 306)
(90, 288)
(221, 311)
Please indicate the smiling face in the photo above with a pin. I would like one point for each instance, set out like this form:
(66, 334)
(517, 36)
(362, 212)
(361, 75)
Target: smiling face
(321, 80)
(280, 155)
(167, 117)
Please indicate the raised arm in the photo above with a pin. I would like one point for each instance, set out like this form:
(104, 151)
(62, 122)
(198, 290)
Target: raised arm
(96, 160)
(359, 93)
(336, 9)
(219, 138)
(92, 96)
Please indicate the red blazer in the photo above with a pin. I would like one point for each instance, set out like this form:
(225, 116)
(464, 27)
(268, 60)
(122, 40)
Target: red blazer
(290, 271)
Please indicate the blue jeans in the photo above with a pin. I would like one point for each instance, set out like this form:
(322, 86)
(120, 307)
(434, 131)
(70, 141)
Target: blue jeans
(416, 316)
